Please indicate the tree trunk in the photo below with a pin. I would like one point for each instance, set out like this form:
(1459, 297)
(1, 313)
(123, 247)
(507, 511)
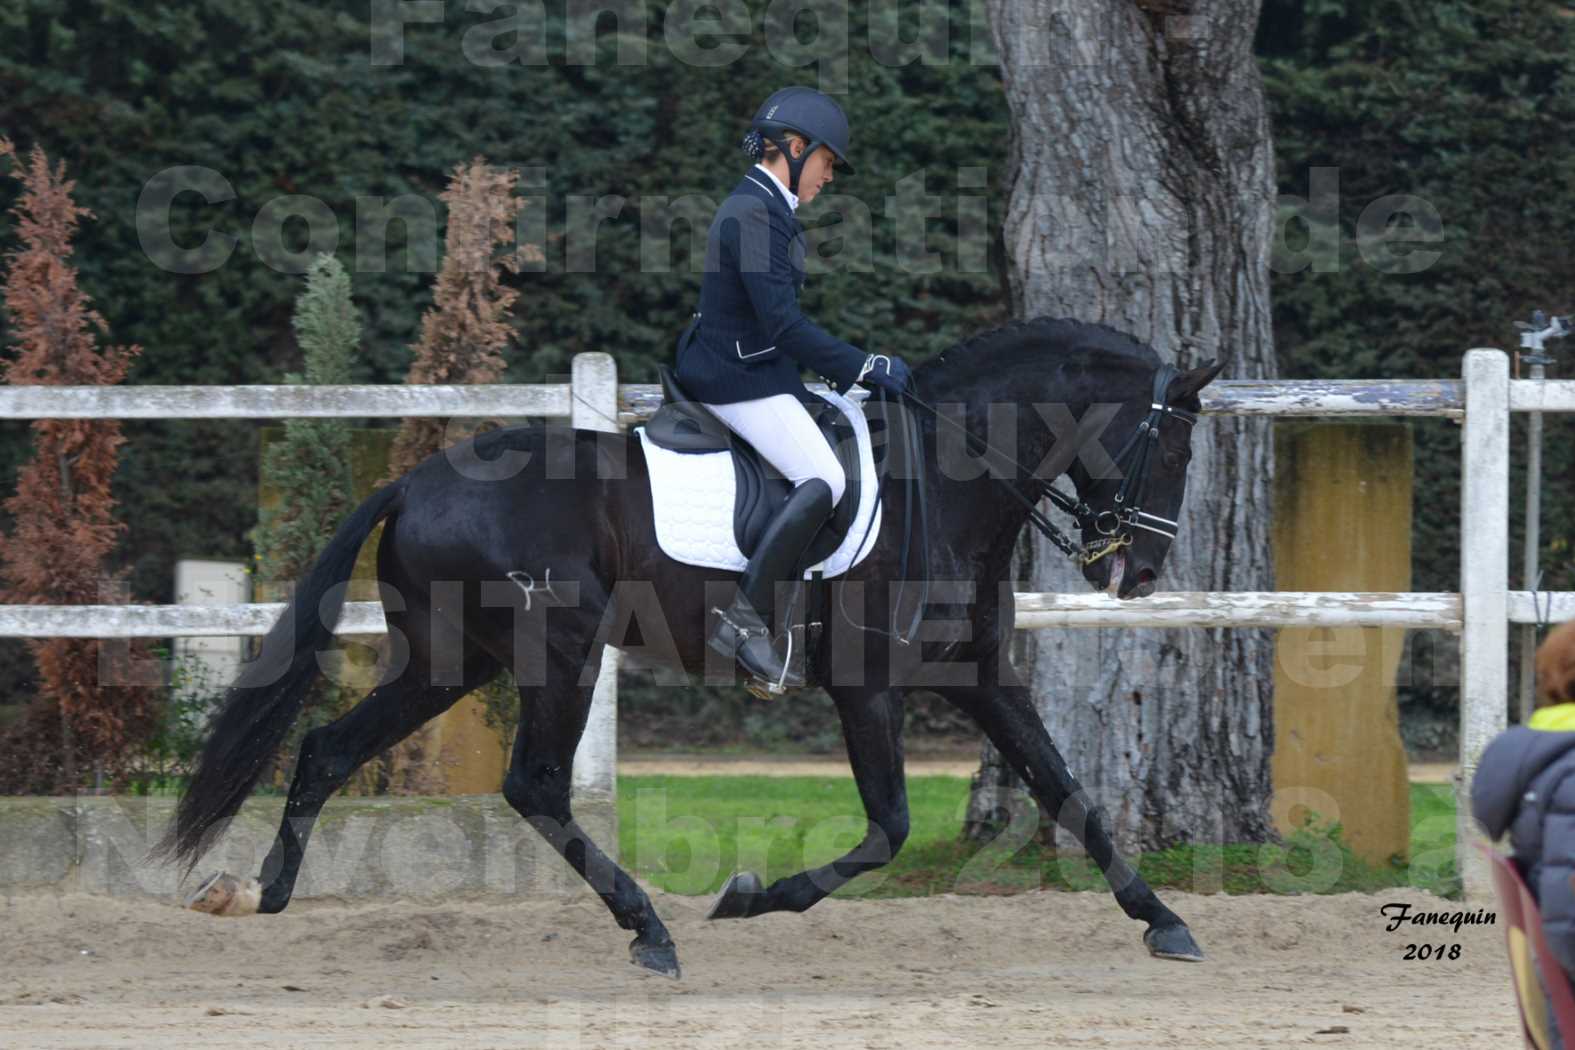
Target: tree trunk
(1142, 195)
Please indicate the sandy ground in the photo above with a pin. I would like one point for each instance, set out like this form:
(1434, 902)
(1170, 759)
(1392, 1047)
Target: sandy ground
(963, 765)
(1041, 970)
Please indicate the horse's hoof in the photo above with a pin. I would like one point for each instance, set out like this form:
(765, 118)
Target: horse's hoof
(224, 894)
(658, 958)
(1172, 942)
(738, 898)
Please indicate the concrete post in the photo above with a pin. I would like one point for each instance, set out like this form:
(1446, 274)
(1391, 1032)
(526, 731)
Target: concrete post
(594, 394)
(1484, 582)
(208, 665)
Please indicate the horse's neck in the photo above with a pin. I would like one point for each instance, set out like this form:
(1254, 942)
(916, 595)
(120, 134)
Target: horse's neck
(979, 515)
(976, 513)
(1021, 444)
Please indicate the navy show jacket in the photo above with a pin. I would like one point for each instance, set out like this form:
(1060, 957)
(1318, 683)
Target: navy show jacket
(749, 339)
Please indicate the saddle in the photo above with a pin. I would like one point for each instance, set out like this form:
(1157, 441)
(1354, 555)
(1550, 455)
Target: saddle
(684, 425)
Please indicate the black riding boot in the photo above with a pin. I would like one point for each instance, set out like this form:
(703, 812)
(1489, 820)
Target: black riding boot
(742, 630)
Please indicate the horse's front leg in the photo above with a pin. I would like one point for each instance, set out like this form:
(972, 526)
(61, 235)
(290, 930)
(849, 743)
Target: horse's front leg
(872, 727)
(1006, 713)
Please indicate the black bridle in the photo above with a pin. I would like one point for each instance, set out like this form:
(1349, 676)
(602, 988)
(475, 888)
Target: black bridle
(1114, 527)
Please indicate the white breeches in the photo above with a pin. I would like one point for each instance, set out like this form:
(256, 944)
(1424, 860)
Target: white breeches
(781, 430)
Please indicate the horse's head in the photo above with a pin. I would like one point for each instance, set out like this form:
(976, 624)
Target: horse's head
(1093, 403)
(1130, 497)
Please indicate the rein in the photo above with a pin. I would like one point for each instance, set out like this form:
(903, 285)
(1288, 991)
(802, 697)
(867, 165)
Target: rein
(914, 492)
(1114, 526)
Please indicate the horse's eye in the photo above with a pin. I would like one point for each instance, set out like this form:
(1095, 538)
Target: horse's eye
(1174, 461)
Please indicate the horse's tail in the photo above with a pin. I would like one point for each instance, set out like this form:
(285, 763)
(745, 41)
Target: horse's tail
(266, 699)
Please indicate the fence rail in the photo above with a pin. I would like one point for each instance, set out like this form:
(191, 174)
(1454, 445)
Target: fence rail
(1414, 611)
(1243, 397)
(1482, 401)
(281, 402)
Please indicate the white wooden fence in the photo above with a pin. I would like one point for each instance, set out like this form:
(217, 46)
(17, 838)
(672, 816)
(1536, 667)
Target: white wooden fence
(1481, 612)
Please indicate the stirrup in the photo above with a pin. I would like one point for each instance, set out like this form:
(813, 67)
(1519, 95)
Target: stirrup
(761, 690)
(759, 685)
(764, 688)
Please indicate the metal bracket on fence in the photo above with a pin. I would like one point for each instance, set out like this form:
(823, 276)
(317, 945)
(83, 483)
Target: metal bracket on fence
(1543, 614)
(1539, 331)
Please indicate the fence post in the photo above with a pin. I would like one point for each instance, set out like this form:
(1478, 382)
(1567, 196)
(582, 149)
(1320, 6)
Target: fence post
(1484, 591)
(1336, 730)
(593, 395)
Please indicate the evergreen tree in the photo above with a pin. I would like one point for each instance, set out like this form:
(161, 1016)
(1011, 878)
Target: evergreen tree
(309, 469)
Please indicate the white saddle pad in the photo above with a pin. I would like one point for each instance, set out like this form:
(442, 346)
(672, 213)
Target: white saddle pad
(692, 500)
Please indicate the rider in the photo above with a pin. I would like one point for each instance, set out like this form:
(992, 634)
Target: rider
(742, 352)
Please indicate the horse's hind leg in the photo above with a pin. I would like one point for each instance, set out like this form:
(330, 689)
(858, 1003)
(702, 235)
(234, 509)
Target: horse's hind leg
(552, 719)
(1006, 714)
(872, 727)
(331, 754)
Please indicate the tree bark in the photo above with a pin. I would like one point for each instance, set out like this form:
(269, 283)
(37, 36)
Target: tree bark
(1142, 195)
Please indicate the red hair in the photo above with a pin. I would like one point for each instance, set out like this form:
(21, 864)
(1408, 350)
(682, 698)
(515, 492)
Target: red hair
(1556, 666)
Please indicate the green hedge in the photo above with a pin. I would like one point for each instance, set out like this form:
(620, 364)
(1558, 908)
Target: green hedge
(1465, 104)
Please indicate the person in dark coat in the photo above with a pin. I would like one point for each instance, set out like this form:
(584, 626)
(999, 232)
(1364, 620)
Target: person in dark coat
(742, 352)
(1525, 785)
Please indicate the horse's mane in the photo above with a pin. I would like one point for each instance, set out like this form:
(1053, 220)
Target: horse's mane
(1025, 342)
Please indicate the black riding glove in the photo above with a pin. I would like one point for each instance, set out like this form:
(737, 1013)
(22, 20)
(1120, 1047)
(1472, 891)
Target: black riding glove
(886, 371)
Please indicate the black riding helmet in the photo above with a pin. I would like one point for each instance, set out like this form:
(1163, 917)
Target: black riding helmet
(813, 114)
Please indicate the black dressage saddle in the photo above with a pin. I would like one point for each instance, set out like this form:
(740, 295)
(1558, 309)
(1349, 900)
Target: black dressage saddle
(686, 425)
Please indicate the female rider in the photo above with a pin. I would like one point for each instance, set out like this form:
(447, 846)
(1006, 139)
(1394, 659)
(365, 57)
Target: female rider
(742, 352)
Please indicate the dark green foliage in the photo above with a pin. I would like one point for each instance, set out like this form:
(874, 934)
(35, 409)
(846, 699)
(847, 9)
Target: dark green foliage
(285, 100)
(1467, 106)
(309, 469)
(162, 763)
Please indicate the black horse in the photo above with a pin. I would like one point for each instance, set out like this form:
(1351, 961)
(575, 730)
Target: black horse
(537, 560)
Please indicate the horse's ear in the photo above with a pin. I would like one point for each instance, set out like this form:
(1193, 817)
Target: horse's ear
(1186, 386)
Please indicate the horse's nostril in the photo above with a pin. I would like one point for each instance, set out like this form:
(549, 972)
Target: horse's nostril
(1145, 576)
